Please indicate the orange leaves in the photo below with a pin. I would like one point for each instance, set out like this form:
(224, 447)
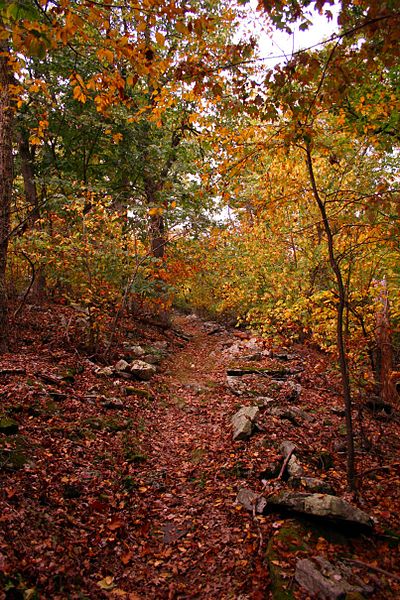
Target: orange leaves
(182, 28)
(79, 87)
(105, 54)
(160, 38)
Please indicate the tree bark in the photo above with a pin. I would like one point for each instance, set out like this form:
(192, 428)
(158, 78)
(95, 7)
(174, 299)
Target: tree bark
(6, 178)
(344, 370)
(38, 285)
(384, 347)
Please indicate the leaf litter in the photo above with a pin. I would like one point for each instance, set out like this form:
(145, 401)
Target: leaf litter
(137, 500)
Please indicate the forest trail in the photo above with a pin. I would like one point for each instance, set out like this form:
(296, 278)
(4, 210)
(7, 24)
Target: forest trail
(112, 488)
(198, 548)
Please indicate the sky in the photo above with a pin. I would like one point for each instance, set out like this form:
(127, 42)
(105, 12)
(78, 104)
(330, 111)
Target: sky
(274, 47)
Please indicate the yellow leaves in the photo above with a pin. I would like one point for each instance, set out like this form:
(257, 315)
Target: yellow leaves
(117, 137)
(79, 94)
(155, 211)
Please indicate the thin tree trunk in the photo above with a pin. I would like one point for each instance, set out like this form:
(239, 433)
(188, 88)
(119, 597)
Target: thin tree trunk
(6, 181)
(339, 325)
(384, 346)
(38, 285)
(28, 175)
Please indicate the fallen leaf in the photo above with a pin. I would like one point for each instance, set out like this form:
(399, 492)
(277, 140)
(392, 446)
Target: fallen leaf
(126, 558)
(114, 525)
(107, 583)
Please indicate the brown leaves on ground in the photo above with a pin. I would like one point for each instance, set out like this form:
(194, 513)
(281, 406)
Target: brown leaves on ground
(135, 498)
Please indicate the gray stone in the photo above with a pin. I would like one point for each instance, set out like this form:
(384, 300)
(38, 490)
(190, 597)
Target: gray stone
(322, 505)
(113, 403)
(136, 350)
(256, 356)
(324, 580)
(142, 370)
(293, 391)
(311, 484)
(122, 366)
(251, 501)
(243, 422)
(294, 468)
(153, 359)
(105, 371)
(236, 386)
(287, 448)
(161, 345)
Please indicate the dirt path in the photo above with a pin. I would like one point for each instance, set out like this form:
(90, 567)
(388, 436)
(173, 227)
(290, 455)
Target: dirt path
(199, 547)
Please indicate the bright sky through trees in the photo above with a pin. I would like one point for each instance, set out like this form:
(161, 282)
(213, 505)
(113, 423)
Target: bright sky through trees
(275, 46)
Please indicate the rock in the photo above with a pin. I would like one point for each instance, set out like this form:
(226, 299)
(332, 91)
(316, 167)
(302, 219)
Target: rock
(293, 391)
(104, 372)
(285, 413)
(233, 350)
(287, 448)
(136, 350)
(142, 370)
(122, 366)
(322, 505)
(235, 385)
(265, 401)
(311, 484)
(294, 468)
(324, 580)
(153, 358)
(133, 391)
(161, 345)
(253, 344)
(270, 472)
(13, 459)
(113, 403)
(249, 500)
(243, 422)
(8, 426)
(284, 356)
(256, 356)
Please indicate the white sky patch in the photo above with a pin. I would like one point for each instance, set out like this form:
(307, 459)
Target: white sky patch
(277, 46)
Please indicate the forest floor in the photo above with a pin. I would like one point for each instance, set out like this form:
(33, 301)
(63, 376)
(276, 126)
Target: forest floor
(112, 488)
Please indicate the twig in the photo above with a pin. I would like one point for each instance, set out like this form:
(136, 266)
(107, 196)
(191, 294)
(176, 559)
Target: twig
(360, 563)
(33, 277)
(382, 468)
(285, 464)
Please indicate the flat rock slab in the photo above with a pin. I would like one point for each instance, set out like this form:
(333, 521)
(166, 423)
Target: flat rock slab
(322, 579)
(243, 422)
(322, 505)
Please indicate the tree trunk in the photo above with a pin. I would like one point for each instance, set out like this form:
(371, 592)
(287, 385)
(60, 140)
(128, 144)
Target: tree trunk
(384, 347)
(28, 175)
(6, 178)
(157, 236)
(344, 370)
(156, 222)
(32, 202)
